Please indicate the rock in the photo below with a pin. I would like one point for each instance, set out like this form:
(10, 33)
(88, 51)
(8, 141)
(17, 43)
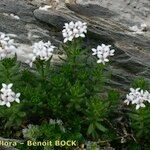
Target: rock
(91, 10)
(51, 17)
(132, 51)
(25, 31)
(129, 11)
(105, 25)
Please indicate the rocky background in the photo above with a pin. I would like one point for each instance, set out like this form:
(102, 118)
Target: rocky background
(108, 23)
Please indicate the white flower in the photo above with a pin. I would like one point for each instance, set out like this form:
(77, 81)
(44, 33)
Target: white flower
(103, 52)
(146, 96)
(7, 46)
(139, 104)
(74, 30)
(40, 50)
(129, 99)
(138, 97)
(7, 95)
(46, 7)
(103, 58)
(16, 97)
(6, 102)
(6, 88)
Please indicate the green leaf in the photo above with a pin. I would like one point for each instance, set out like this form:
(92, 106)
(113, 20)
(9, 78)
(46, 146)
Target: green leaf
(90, 128)
(140, 82)
(101, 127)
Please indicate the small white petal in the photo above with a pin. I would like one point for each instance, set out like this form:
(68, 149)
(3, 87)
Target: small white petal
(99, 61)
(4, 85)
(65, 40)
(18, 95)
(2, 103)
(17, 100)
(8, 104)
(137, 107)
(10, 85)
(142, 105)
(106, 60)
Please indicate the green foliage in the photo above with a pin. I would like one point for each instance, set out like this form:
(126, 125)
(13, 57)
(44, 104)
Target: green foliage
(141, 83)
(73, 91)
(9, 70)
(32, 132)
(140, 120)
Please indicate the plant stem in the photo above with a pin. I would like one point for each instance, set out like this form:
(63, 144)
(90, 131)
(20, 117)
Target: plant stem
(42, 70)
(7, 74)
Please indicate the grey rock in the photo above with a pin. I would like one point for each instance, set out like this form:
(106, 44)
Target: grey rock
(51, 17)
(105, 25)
(129, 11)
(91, 10)
(27, 30)
(132, 51)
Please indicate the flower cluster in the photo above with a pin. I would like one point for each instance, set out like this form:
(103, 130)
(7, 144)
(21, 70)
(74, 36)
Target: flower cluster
(41, 50)
(138, 97)
(103, 52)
(7, 46)
(8, 96)
(74, 30)
(139, 30)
